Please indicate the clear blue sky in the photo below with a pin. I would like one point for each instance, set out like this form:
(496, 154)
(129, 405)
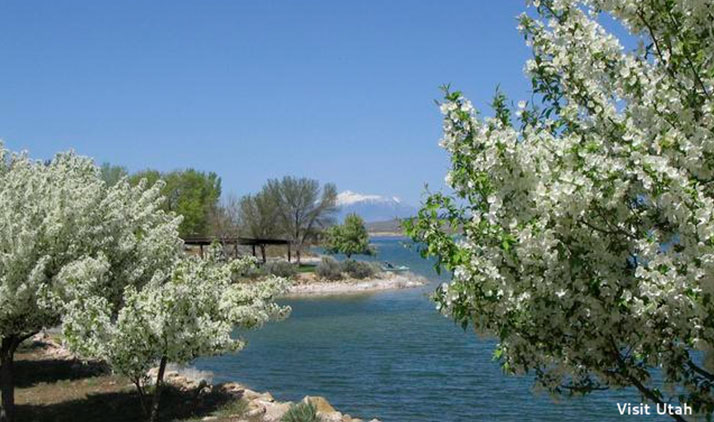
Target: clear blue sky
(334, 90)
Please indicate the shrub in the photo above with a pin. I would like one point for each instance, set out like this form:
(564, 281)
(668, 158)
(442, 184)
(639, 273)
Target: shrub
(359, 269)
(301, 412)
(280, 268)
(329, 269)
(233, 407)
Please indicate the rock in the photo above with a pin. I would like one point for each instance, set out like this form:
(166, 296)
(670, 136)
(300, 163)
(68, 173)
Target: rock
(330, 416)
(250, 394)
(275, 411)
(210, 418)
(320, 403)
(267, 397)
(255, 412)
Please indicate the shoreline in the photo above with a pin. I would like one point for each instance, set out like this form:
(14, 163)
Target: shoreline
(387, 234)
(307, 285)
(196, 387)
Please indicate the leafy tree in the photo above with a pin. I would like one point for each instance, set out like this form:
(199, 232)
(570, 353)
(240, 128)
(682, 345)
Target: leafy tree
(190, 314)
(303, 210)
(56, 219)
(588, 217)
(112, 174)
(190, 193)
(259, 217)
(224, 219)
(349, 238)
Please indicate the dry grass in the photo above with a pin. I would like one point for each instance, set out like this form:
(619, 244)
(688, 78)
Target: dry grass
(54, 389)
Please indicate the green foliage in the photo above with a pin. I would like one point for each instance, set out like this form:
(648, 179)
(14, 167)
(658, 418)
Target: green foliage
(258, 215)
(301, 412)
(350, 238)
(112, 174)
(304, 210)
(190, 193)
(234, 407)
(585, 217)
(280, 268)
(360, 269)
(329, 269)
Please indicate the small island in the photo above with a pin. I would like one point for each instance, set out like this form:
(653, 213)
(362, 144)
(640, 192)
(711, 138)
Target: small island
(324, 275)
(311, 284)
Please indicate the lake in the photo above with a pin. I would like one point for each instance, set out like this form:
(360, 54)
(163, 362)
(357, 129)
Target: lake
(390, 355)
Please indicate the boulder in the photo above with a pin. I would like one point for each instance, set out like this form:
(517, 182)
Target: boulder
(320, 403)
(274, 411)
(329, 416)
(266, 397)
(255, 410)
(250, 394)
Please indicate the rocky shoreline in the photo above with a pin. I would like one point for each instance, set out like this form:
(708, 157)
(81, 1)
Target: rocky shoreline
(259, 407)
(310, 285)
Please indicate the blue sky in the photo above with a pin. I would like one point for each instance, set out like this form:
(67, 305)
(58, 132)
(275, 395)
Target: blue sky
(334, 90)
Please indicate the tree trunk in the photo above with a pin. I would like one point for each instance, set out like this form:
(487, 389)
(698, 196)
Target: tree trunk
(297, 254)
(262, 252)
(7, 386)
(157, 391)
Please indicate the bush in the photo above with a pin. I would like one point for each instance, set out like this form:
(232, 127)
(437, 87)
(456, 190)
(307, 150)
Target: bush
(301, 412)
(359, 269)
(280, 268)
(329, 269)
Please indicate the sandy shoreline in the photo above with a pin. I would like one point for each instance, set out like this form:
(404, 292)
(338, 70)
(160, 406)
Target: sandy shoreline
(308, 286)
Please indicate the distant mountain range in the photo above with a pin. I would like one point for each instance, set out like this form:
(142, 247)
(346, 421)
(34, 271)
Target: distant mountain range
(373, 208)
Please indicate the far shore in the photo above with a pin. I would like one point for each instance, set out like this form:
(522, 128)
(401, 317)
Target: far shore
(387, 234)
(310, 285)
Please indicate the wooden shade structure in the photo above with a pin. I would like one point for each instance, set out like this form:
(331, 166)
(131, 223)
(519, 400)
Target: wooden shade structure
(235, 241)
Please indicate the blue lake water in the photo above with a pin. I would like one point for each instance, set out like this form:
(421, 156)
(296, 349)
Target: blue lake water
(390, 355)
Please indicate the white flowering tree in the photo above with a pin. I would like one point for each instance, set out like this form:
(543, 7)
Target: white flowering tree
(193, 313)
(57, 217)
(587, 241)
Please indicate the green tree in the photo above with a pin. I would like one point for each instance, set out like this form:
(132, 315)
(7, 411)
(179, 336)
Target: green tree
(587, 219)
(224, 219)
(304, 210)
(112, 174)
(192, 194)
(349, 238)
(259, 217)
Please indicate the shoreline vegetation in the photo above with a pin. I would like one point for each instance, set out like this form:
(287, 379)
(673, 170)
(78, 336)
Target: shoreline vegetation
(72, 389)
(308, 284)
(343, 282)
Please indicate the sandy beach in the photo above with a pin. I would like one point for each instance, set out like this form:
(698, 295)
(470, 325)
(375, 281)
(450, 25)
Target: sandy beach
(308, 285)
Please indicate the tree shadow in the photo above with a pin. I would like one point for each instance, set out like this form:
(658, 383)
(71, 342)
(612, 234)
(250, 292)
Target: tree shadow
(32, 372)
(176, 404)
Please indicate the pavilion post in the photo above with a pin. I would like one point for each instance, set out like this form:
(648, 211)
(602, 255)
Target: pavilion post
(253, 249)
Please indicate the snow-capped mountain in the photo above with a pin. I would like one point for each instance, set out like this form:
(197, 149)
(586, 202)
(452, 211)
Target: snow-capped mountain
(372, 207)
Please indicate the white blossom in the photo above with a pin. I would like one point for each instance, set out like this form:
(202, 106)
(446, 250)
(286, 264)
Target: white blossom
(593, 217)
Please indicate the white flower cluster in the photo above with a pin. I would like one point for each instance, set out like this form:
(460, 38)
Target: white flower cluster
(60, 225)
(108, 264)
(192, 314)
(588, 242)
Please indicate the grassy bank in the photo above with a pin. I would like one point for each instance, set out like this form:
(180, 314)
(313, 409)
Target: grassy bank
(57, 389)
